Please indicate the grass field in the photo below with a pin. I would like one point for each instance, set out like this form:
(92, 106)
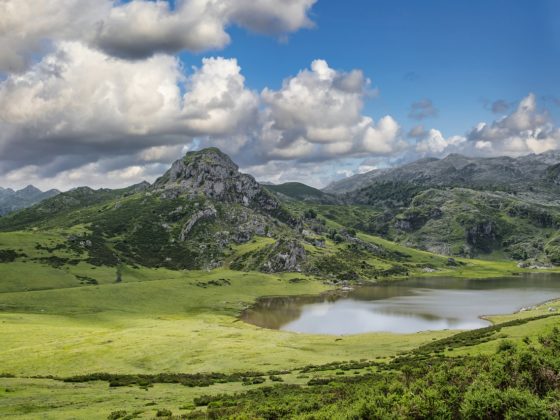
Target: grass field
(56, 322)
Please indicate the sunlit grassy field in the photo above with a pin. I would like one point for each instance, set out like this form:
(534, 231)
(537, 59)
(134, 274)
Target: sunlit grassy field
(53, 323)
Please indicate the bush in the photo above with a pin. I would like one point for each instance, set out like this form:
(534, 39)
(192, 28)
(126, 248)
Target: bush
(116, 415)
(484, 401)
(163, 412)
(506, 345)
(8, 255)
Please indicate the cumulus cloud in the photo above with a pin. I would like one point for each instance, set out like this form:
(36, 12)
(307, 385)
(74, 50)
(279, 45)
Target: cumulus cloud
(217, 102)
(434, 143)
(271, 17)
(317, 114)
(139, 28)
(78, 102)
(28, 27)
(423, 109)
(526, 130)
(62, 120)
(78, 106)
(81, 116)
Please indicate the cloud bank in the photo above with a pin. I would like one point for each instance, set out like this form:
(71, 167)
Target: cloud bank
(79, 111)
(525, 130)
(93, 93)
(140, 28)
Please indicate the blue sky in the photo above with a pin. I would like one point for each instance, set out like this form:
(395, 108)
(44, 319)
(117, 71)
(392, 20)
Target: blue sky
(108, 92)
(459, 54)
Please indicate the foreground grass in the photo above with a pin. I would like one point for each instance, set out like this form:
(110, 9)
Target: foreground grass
(327, 391)
(52, 322)
(176, 325)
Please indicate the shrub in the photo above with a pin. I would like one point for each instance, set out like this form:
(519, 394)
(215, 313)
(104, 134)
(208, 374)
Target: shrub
(163, 412)
(116, 415)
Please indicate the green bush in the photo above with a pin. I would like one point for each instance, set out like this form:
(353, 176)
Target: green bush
(163, 412)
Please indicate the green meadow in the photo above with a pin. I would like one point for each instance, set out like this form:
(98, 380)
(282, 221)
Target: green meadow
(64, 319)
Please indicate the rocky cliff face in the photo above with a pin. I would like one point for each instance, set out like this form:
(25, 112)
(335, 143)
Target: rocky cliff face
(211, 173)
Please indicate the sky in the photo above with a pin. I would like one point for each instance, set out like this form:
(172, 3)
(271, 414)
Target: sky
(108, 93)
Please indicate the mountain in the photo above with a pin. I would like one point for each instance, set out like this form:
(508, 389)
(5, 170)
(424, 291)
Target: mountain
(213, 174)
(299, 191)
(203, 214)
(531, 172)
(464, 206)
(11, 200)
(187, 219)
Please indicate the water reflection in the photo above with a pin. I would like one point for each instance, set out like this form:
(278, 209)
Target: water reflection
(404, 307)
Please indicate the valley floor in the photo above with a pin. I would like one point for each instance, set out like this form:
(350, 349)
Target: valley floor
(158, 321)
(180, 325)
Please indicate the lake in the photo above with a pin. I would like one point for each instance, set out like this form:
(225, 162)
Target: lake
(406, 306)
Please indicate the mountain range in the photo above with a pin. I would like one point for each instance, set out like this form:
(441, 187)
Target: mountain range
(204, 213)
(11, 200)
(526, 173)
(465, 206)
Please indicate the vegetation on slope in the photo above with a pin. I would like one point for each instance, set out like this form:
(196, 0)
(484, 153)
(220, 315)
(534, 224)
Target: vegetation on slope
(102, 288)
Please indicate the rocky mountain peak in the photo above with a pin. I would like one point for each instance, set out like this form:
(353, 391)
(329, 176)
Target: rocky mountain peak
(29, 191)
(212, 173)
(11, 200)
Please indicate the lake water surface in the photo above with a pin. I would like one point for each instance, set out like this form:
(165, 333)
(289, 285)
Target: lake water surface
(404, 307)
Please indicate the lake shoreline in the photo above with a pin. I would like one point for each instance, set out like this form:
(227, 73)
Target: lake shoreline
(405, 306)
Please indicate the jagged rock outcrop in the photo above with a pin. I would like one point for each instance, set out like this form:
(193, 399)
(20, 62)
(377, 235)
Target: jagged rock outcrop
(213, 174)
(285, 256)
(207, 213)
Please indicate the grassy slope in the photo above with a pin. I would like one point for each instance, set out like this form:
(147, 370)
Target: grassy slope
(151, 327)
(159, 320)
(296, 190)
(44, 398)
(104, 328)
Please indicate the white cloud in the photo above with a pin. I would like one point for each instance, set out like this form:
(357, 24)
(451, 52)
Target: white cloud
(140, 28)
(62, 120)
(525, 130)
(434, 143)
(271, 17)
(317, 114)
(383, 138)
(217, 101)
(78, 116)
(79, 106)
(77, 93)
(28, 27)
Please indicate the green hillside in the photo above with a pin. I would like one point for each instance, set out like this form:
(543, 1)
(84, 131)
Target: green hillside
(299, 191)
(491, 208)
(126, 303)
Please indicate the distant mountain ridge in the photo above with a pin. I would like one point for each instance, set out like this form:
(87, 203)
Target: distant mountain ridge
(204, 213)
(299, 191)
(528, 172)
(12, 200)
(465, 206)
